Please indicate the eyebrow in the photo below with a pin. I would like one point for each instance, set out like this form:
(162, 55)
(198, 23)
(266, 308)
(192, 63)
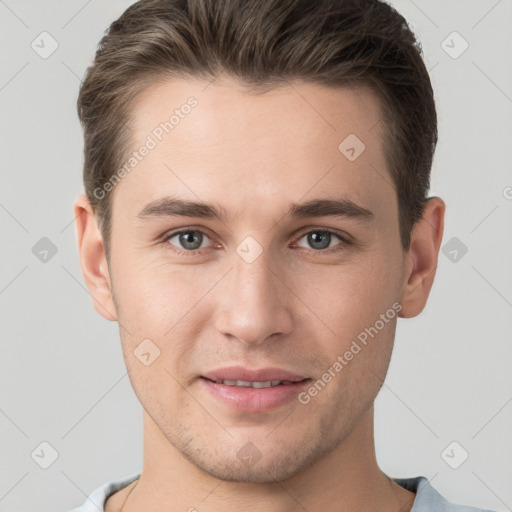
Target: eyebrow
(175, 207)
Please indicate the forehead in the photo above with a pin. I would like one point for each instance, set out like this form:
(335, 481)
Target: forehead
(304, 108)
(219, 141)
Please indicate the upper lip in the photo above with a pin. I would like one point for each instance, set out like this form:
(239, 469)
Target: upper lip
(248, 375)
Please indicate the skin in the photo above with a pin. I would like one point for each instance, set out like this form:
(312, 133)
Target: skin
(294, 307)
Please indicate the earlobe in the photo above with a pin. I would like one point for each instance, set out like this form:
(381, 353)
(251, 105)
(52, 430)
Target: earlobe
(422, 257)
(93, 260)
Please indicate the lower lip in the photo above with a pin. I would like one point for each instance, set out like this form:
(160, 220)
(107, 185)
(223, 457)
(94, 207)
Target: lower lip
(254, 399)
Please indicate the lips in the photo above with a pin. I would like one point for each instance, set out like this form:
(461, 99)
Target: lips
(254, 391)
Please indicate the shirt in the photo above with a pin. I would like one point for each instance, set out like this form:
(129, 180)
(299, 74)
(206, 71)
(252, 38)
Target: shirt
(427, 498)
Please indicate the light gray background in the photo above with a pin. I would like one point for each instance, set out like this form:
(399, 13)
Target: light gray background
(63, 378)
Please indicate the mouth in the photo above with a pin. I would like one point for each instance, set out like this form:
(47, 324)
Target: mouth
(253, 391)
(255, 384)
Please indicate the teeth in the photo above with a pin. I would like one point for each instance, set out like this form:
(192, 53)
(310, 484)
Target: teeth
(247, 384)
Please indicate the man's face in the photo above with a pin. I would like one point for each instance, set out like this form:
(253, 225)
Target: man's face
(258, 288)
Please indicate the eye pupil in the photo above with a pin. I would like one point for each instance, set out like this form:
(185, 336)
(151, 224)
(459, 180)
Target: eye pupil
(318, 239)
(189, 239)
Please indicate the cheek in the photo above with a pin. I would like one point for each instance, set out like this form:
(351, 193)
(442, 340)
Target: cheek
(348, 298)
(159, 314)
(355, 343)
(154, 296)
(156, 333)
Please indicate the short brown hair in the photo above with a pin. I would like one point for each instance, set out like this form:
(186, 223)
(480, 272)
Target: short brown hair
(262, 43)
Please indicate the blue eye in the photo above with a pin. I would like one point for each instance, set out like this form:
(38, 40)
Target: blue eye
(321, 240)
(190, 240)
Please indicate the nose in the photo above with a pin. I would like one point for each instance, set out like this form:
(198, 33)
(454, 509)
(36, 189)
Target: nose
(255, 301)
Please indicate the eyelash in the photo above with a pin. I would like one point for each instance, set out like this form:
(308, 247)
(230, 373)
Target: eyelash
(344, 242)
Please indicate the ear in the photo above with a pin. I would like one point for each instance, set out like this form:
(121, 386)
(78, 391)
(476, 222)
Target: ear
(421, 258)
(93, 260)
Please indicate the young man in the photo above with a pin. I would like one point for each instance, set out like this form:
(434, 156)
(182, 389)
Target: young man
(256, 219)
